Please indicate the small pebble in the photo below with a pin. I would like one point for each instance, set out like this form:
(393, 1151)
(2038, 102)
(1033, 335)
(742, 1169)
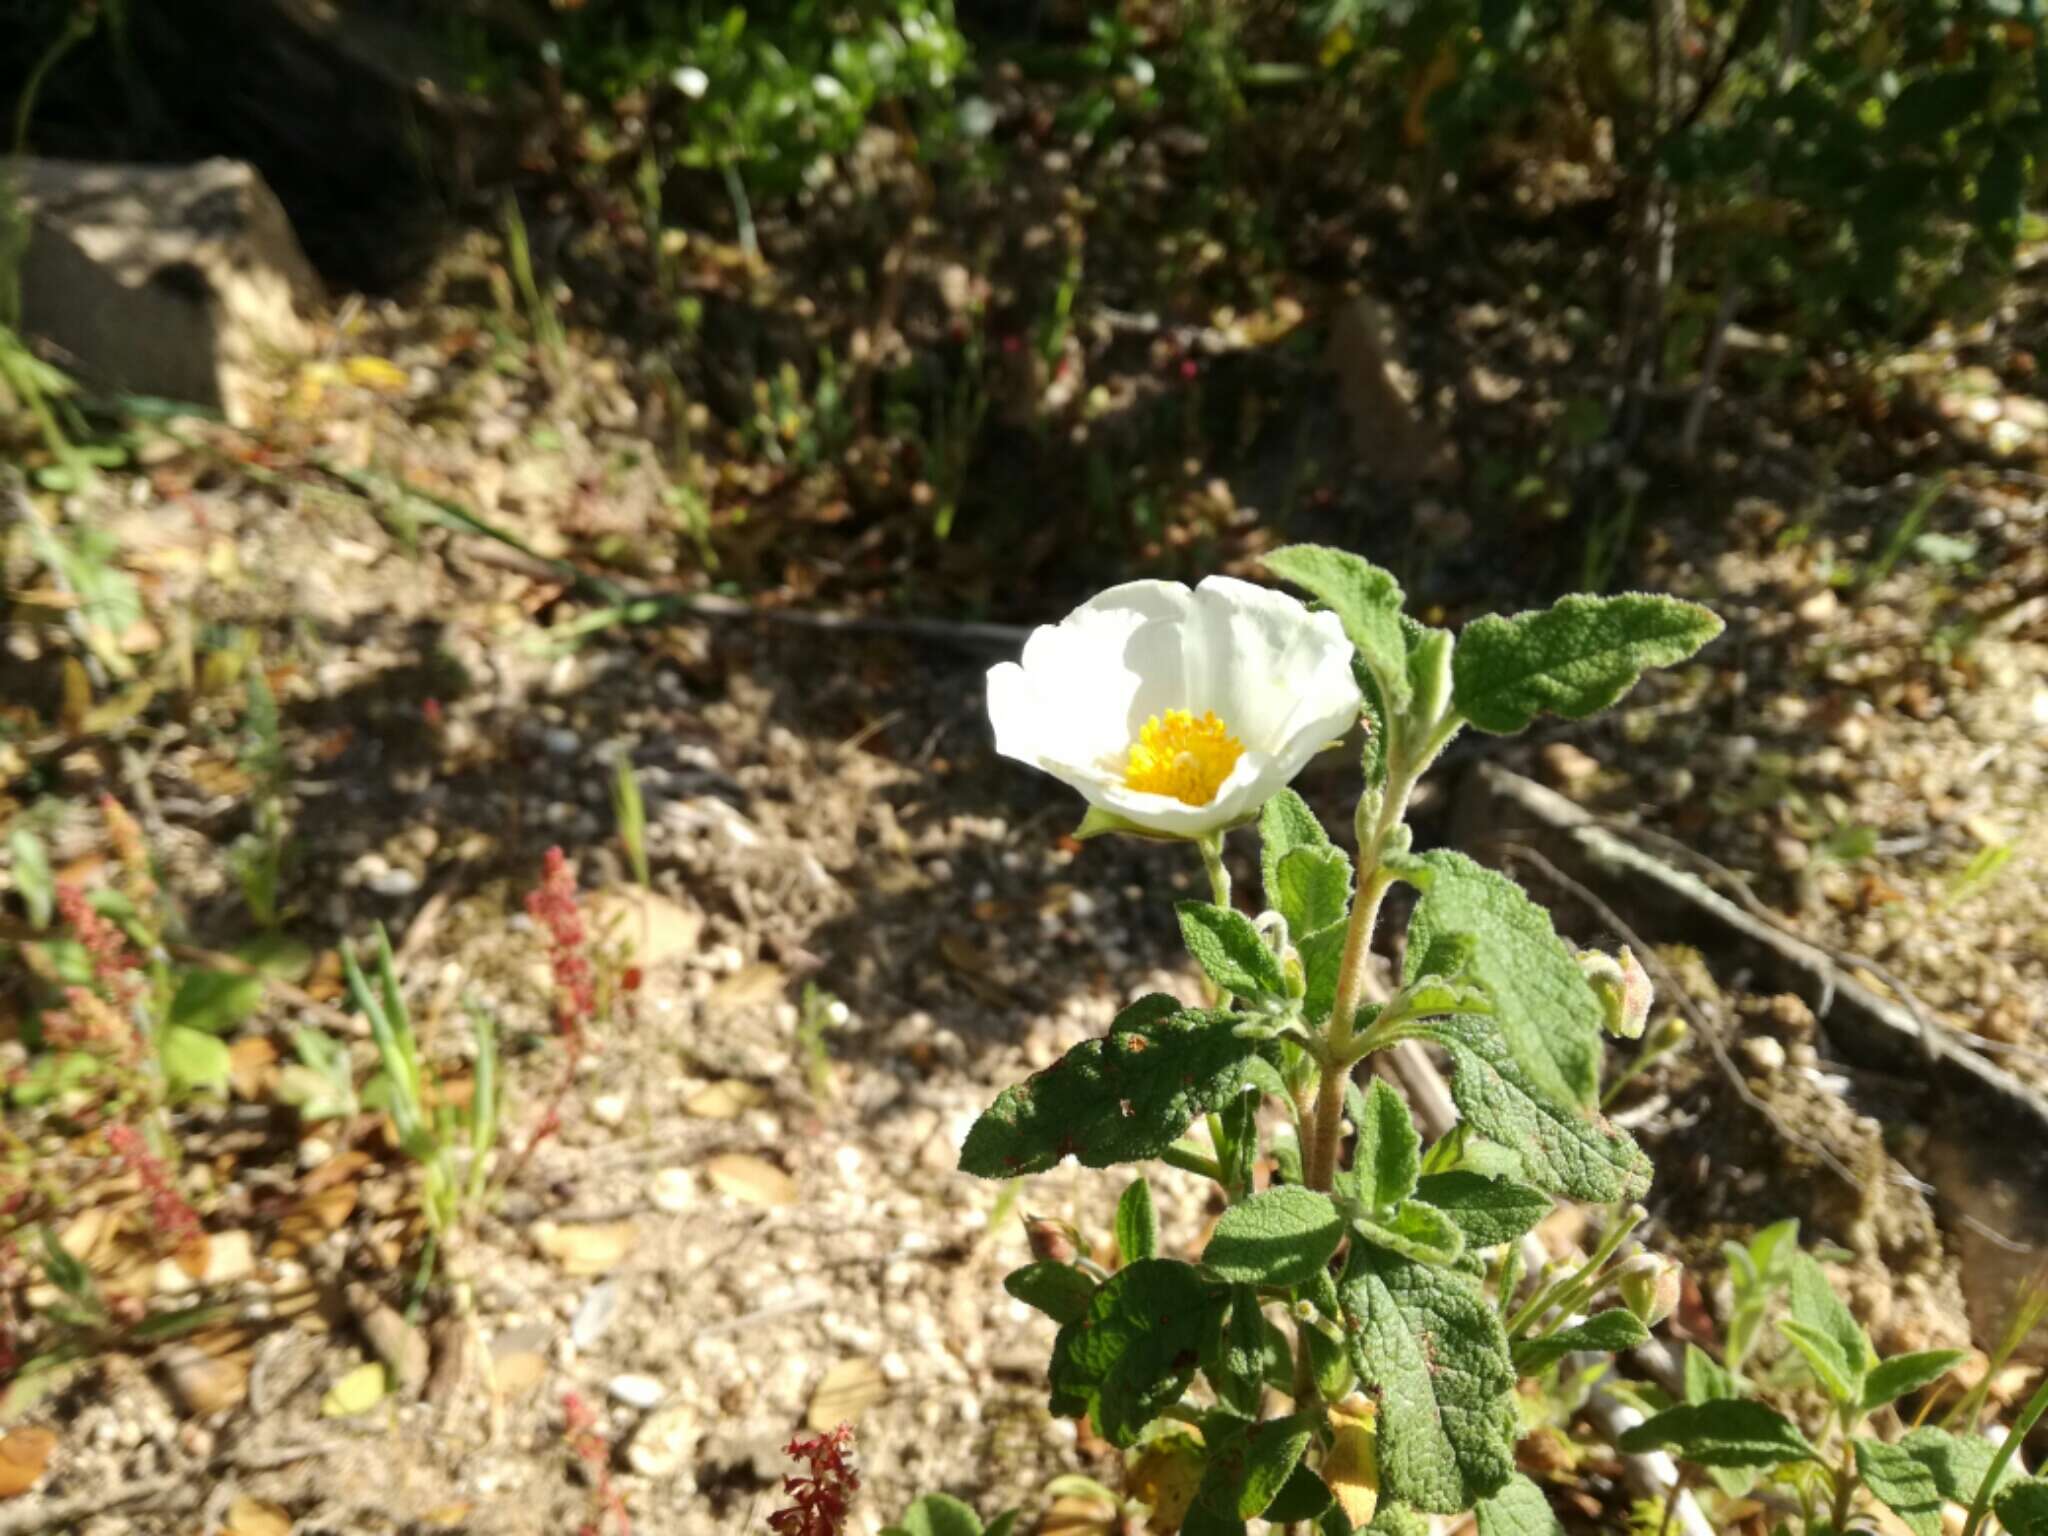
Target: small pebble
(609, 1109)
(636, 1391)
(673, 1190)
(395, 883)
(1765, 1054)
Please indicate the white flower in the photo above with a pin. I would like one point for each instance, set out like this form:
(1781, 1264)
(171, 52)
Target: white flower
(1177, 712)
(691, 81)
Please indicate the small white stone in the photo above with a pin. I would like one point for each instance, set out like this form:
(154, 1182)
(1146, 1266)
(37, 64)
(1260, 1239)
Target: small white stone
(609, 1109)
(636, 1391)
(673, 1190)
(663, 1442)
(1765, 1054)
(314, 1151)
(395, 883)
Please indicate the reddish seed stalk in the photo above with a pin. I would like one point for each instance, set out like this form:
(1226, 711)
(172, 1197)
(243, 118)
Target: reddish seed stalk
(821, 1497)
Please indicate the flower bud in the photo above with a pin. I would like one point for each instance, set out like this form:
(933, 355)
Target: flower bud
(1052, 1240)
(1649, 1288)
(1624, 990)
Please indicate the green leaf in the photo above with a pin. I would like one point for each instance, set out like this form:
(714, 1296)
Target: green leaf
(1281, 1237)
(1518, 1510)
(1824, 1358)
(1235, 1354)
(1304, 1496)
(1545, 1008)
(1286, 824)
(939, 1514)
(1564, 1151)
(1606, 1332)
(2023, 1508)
(1135, 1351)
(1060, 1291)
(1230, 952)
(1706, 1378)
(1904, 1486)
(1249, 1463)
(1413, 1230)
(1487, 1211)
(1821, 1324)
(1365, 598)
(215, 1001)
(1388, 1157)
(1894, 1378)
(1428, 1345)
(1137, 1224)
(1392, 1519)
(1314, 889)
(1571, 659)
(33, 881)
(1120, 1099)
(1429, 997)
(1958, 1463)
(192, 1061)
(2001, 200)
(1724, 1433)
(1322, 957)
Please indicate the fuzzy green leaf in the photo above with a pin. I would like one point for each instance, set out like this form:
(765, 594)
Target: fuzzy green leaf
(1136, 1349)
(1060, 1291)
(1894, 1378)
(1120, 1099)
(1281, 1237)
(1428, 1345)
(1322, 957)
(215, 1001)
(1413, 1230)
(1392, 1519)
(1234, 1355)
(1571, 659)
(33, 880)
(1429, 997)
(1724, 1433)
(1487, 1211)
(1564, 1151)
(1826, 1331)
(1314, 889)
(1904, 1486)
(1388, 1157)
(1286, 824)
(1606, 1332)
(1137, 1223)
(1229, 950)
(1365, 598)
(1304, 1496)
(1958, 1463)
(1518, 1510)
(1706, 1378)
(2023, 1508)
(1248, 1463)
(1545, 1008)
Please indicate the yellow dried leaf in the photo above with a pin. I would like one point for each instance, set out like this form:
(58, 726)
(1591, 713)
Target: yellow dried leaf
(252, 1065)
(24, 1454)
(1166, 1476)
(1072, 1515)
(1352, 1468)
(375, 373)
(748, 987)
(358, 1392)
(847, 1390)
(754, 1180)
(258, 1517)
(724, 1100)
(585, 1248)
(518, 1373)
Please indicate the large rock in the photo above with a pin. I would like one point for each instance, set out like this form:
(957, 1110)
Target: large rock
(175, 281)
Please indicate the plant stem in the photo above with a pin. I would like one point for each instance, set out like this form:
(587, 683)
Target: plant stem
(1211, 845)
(2022, 1427)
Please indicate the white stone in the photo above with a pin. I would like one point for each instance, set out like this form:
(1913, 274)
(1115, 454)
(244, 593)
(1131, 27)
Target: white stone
(636, 1391)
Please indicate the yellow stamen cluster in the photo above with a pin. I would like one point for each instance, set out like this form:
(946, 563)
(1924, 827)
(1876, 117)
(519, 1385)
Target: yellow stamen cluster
(1182, 757)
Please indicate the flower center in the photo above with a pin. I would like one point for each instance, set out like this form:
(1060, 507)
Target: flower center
(1182, 757)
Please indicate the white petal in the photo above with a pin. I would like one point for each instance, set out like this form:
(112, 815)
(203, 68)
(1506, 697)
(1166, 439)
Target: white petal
(1265, 646)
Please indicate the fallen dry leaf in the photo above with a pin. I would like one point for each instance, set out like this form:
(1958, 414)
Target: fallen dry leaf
(209, 1372)
(847, 1390)
(24, 1454)
(585, 1248)
(724, 1100)
(1073, 1516)
(753, 1180)
(517, 1374)
(657, 928)
(252, 1066)
(748, 987)
(257, 1517)
(357, 1392)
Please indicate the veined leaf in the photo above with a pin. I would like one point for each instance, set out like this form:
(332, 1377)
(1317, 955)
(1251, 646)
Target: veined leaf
(939, 1514)
(1728, 1432)
(1824, 1358)
(1286, 824)
(1543, 1006)
(1518, 1510)
(1429, 1346)
(1137, 1223)
(1229, 950)
(1564, 1151)
(1829, 1330)
(1958, 1463)
(1607, 1332)
(2023, 1508)
(1706, 1378)
(1487, 1211)
(1249, 1463)
(1281, 1237)
(1234, 1356)
(1124, 1098)
(1314, 889)
(1322, 956)
(1904, 1486)
(1388, 1157)
(1570, 659)
(1413, 1230)
(1135, 1350)
(1366, 599)
(1060, 1291)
